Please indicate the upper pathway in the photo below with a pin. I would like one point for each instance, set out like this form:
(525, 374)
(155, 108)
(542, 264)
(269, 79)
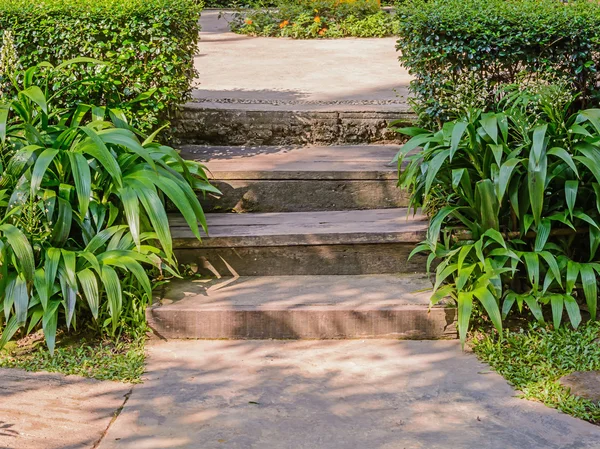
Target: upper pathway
(336, 74)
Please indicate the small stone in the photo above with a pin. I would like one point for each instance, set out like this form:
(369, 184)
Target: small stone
(583, 384)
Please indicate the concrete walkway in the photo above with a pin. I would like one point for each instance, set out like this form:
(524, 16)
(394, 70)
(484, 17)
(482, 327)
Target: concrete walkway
(51, 411)
(374, 394)
(263, 72)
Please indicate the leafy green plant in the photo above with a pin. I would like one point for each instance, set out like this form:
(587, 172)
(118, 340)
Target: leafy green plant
(444, 43)
(305, 19)
(148, 47)
(517, 192)
(82, 210)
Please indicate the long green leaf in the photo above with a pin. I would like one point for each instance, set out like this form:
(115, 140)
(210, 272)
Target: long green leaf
(112, 286)
(465, 307)
(22, 249)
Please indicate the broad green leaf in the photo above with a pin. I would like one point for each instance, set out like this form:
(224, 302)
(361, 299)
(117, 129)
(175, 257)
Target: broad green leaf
(543, 232)
(534, 306)
(536, 184)
(457, 134)
(565, 156)
(89, 286)
(41, 166)
(490, 305)
(465, 307)
(83, 181)
(572, 310)
(487, 205)
(49, 324)
(112, 286)
(506, 172)
(22, 249)
(572, 275)
(552, 265)
(571, 195)
(556, 301)
(590, 288)
(35, 94)
(440, 294)
(9, 330)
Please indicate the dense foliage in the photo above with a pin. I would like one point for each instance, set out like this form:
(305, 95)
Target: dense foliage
(82, 211)
(533, 361)
(514, 196)
(462, 50)
(303, 19)
(148, 47)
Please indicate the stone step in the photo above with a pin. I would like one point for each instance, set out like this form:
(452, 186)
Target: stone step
(304, 243)
(241, 121)
(298, 179)
(296, 307)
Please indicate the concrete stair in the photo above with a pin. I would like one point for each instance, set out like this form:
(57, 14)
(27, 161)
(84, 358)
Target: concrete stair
(322, 254)
(296, 135)
(250, 121)
(304, 243)
(292, 307)
(298, 179)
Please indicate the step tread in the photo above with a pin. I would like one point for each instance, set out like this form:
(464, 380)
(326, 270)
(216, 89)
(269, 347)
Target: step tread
(360, 162)
(305, 228)
(279, 293)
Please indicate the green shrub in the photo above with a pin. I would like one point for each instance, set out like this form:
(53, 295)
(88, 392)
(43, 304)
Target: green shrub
(490, 43)
(304, 19)
(82, 211)
(148, 47)
(514, 196)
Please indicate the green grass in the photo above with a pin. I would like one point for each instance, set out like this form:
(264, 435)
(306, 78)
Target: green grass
(82, 356)
(534, 360)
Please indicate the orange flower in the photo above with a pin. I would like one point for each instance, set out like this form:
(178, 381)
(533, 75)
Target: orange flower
(248, 22)
(323, 31)
(284, 24)
(318, 19)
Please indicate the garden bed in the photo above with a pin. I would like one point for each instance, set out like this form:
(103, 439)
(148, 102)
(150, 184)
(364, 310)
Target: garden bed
(307, 19)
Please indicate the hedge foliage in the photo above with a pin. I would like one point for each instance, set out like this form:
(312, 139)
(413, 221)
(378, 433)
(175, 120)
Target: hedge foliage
(489, 43)
(147, 45)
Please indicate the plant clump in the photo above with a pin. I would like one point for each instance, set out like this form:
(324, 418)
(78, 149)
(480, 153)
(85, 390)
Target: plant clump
(305, 19)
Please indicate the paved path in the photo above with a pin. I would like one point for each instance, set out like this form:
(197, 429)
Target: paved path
(378, 394)
(266, 71)
(51, 411)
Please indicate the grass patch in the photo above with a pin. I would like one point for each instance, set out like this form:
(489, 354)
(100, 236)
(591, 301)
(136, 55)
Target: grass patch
(534, 360)
(79, 355)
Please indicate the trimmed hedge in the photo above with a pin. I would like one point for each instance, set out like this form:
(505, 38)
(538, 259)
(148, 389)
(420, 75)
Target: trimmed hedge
(497, 42)
(148, 46)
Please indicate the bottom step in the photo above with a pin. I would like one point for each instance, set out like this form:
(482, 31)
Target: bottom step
(302, 307)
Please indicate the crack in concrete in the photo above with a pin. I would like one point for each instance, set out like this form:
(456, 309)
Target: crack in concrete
(114, 418)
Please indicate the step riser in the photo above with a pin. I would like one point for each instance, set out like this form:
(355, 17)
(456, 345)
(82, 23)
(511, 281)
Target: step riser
(408, 323)
(385, 258)
(197, 125)
(304, 195)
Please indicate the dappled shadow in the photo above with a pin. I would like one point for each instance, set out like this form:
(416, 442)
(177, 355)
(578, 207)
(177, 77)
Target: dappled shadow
(332, 395)
(289, 307)
(6, 430)
(52, 411)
